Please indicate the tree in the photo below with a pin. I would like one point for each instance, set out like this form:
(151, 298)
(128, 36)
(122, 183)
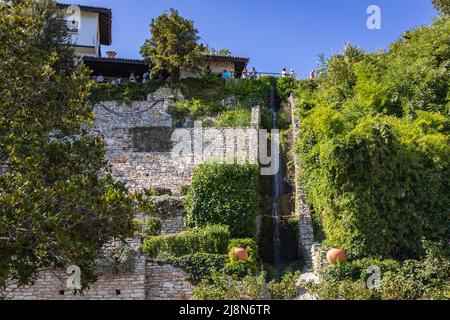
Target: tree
(55, 209)
(443, 5)
(173, 46)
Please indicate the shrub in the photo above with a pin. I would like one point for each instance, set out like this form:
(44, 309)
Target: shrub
(225, 287)
(153, 226)
(412, 280)
(356, 270)
(224, 194)
(234, 118)
(198, 266)
(210, 239)
(286, 289)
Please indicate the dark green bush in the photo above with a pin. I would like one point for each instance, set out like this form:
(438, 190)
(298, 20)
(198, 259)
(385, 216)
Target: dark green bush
(153, 226)
(198, 266)
(210, 239)
(224, 194)
(427, 278)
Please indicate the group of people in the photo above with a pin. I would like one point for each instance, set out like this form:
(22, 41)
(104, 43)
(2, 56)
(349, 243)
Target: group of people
(132, 79)
(253, 74)
(285, 74)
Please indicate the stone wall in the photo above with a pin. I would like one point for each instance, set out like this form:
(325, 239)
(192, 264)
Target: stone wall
(306, 232)
(166, 283)
(52, 285)
(146, 151)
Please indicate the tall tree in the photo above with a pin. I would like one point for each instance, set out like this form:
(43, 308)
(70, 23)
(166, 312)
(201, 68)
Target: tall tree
(443, 5)
(55, 209)
(173, 46)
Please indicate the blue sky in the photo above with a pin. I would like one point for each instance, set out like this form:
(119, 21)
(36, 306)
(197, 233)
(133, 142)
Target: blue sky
(273, 33)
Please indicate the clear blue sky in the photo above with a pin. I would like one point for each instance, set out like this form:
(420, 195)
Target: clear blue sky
(273, 33)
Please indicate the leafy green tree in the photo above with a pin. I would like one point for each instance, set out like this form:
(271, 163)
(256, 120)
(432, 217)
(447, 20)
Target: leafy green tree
(55, 209)
(443, 5)
(173, 46)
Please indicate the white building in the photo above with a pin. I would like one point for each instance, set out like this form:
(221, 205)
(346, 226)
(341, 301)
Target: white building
(89, 28)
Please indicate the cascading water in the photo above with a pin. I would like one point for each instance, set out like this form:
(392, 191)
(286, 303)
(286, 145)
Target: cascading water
(278, 240)
(277, 185)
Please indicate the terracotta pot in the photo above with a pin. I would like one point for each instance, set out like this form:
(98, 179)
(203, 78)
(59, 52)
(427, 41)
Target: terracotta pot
(239, 254)
(336, 255)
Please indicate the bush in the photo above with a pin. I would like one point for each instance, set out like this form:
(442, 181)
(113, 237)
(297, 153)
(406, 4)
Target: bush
(374, 146)
(286, 289)
(252, 287)
(225, 287)
(224, 194)
(210, 239)
(198, 266)
(234, 118)
(412, 280)
(153, 226)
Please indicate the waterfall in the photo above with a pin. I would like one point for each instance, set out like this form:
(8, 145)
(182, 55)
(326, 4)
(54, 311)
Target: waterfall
(277, 186)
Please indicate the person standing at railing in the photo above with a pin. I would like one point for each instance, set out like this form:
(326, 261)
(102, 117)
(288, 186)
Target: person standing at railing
(284, 73)
(132, 78)
(253, 73)
(312, 74)
(145, 77)
(292, 74)
(245, 74)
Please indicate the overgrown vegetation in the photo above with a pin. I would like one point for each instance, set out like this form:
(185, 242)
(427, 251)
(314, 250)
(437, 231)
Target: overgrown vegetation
(426, 278)
(224, 194)
(252, 287)
(374, 145)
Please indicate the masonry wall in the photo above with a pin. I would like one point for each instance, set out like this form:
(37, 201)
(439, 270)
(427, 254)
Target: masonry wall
(143, 150)
(164, 282)
(52, 285)
(306, 233)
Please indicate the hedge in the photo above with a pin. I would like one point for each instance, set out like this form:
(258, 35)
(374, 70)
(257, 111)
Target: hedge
(224, 194)
(210, 239)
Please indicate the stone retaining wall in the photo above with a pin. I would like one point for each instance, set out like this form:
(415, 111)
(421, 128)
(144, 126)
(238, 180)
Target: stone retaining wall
(166, 283)
(306, 232)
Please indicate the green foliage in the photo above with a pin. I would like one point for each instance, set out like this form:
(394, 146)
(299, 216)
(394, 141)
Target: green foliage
(224, 194)
(173, 46)
(414, 279)
(285, 86)
(374, 145)
(240, 117)
(252, 287)
(198, 266)
(243, 268)
(210, 239)
(153, 226)
(286, 289)
(443, 5)
(55, 208)
(123, 92)
(226, 287)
